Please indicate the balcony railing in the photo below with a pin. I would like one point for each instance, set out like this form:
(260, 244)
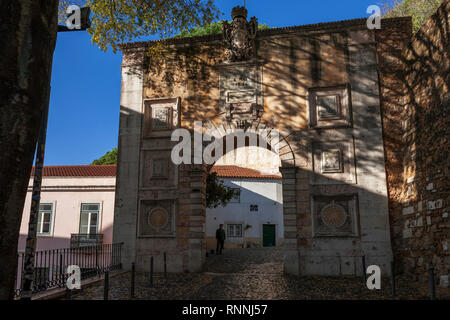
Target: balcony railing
(50, 265)
(78, 240)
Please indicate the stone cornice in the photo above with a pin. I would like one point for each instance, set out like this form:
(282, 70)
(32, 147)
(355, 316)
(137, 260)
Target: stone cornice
(76, 188)
(317, 27)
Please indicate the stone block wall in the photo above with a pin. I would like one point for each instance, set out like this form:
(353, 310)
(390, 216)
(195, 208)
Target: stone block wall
(426, 226)
(415, 102)
(391, 43)
(335, 198)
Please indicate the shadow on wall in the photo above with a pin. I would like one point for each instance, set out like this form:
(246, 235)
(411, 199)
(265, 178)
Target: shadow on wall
(310, 63)
(349, 240)
(416, 105)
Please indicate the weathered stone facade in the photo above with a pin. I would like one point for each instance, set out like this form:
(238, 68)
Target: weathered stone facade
(318, 85)
(416, 124)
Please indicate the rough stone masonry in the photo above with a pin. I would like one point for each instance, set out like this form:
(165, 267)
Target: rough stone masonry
(414, 77)
(327, 88)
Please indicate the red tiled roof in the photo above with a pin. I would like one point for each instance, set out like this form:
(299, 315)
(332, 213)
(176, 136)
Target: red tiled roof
(240, 172)
(110, 171)
(79, 171)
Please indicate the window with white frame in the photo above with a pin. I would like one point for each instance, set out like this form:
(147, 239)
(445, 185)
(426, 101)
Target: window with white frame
(234, 230)
(45, 219)
(89, 218)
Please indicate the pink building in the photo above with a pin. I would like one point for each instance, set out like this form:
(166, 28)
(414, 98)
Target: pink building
(77, 206)
(75, 222)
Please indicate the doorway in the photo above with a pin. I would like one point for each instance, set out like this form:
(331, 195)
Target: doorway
(269, 235)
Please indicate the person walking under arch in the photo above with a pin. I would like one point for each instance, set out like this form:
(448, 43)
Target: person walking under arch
(220, 236)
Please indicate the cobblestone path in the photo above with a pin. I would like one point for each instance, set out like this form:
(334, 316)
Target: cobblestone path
(249, 274)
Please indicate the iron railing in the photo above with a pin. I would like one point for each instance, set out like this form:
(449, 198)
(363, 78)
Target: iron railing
(51, 265)
(78, 240)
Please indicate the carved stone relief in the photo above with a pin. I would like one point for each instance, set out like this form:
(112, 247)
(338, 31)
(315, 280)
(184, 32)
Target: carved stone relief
(156, 218)
(333, 161)
(160, 168)
(239, 35)
(334, 215)
(241, 97)
(158, 171)
(329, 107)
(160, 117)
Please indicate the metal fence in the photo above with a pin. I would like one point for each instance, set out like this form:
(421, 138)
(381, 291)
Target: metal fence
(50, 265)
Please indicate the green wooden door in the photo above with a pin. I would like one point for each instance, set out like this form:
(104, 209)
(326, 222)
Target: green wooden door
(269, 235)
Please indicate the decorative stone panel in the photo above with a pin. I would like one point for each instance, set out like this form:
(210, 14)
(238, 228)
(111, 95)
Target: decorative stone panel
(158, 170)
(161, 116)
(329, 107)
(333, 162)
(335, 216)
(156, 218)
(241, 97)
(240, 84)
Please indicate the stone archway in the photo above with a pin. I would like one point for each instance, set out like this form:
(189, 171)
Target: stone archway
(193, 193)
(272, 157)
(317, 85)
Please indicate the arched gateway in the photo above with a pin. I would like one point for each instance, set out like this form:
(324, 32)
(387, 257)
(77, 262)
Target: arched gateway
(316, 85)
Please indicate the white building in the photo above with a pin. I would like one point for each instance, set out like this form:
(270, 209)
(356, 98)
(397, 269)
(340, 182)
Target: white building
(255, 217)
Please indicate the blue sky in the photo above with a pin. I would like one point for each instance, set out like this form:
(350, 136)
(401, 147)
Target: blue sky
(85, 98)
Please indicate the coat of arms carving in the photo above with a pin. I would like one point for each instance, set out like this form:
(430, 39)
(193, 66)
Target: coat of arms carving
(239, 35)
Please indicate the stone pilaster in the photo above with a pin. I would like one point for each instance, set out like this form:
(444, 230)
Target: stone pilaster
(126, 206)
(291, 262)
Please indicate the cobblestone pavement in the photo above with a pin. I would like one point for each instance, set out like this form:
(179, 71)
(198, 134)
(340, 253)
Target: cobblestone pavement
(249, 274)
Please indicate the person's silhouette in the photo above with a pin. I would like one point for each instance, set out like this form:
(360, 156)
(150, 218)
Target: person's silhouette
(220, 236)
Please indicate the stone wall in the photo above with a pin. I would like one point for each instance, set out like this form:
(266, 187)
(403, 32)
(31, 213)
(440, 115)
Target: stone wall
(319, 87)
(391, 43)
(426, 226)
(414, 80)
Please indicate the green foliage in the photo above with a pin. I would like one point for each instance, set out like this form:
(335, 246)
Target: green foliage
(108, 158)
(419, 10)
(216, 193)
(119, 21)
(212, 28)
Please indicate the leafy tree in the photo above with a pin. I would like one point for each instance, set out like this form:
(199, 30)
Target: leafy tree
(27, 42)
(118, 21)
(217, 193)
(108, 158)
(212, 28)
(419, 10)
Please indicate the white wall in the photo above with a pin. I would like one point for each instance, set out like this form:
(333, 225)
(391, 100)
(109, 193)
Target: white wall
(266, 193)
